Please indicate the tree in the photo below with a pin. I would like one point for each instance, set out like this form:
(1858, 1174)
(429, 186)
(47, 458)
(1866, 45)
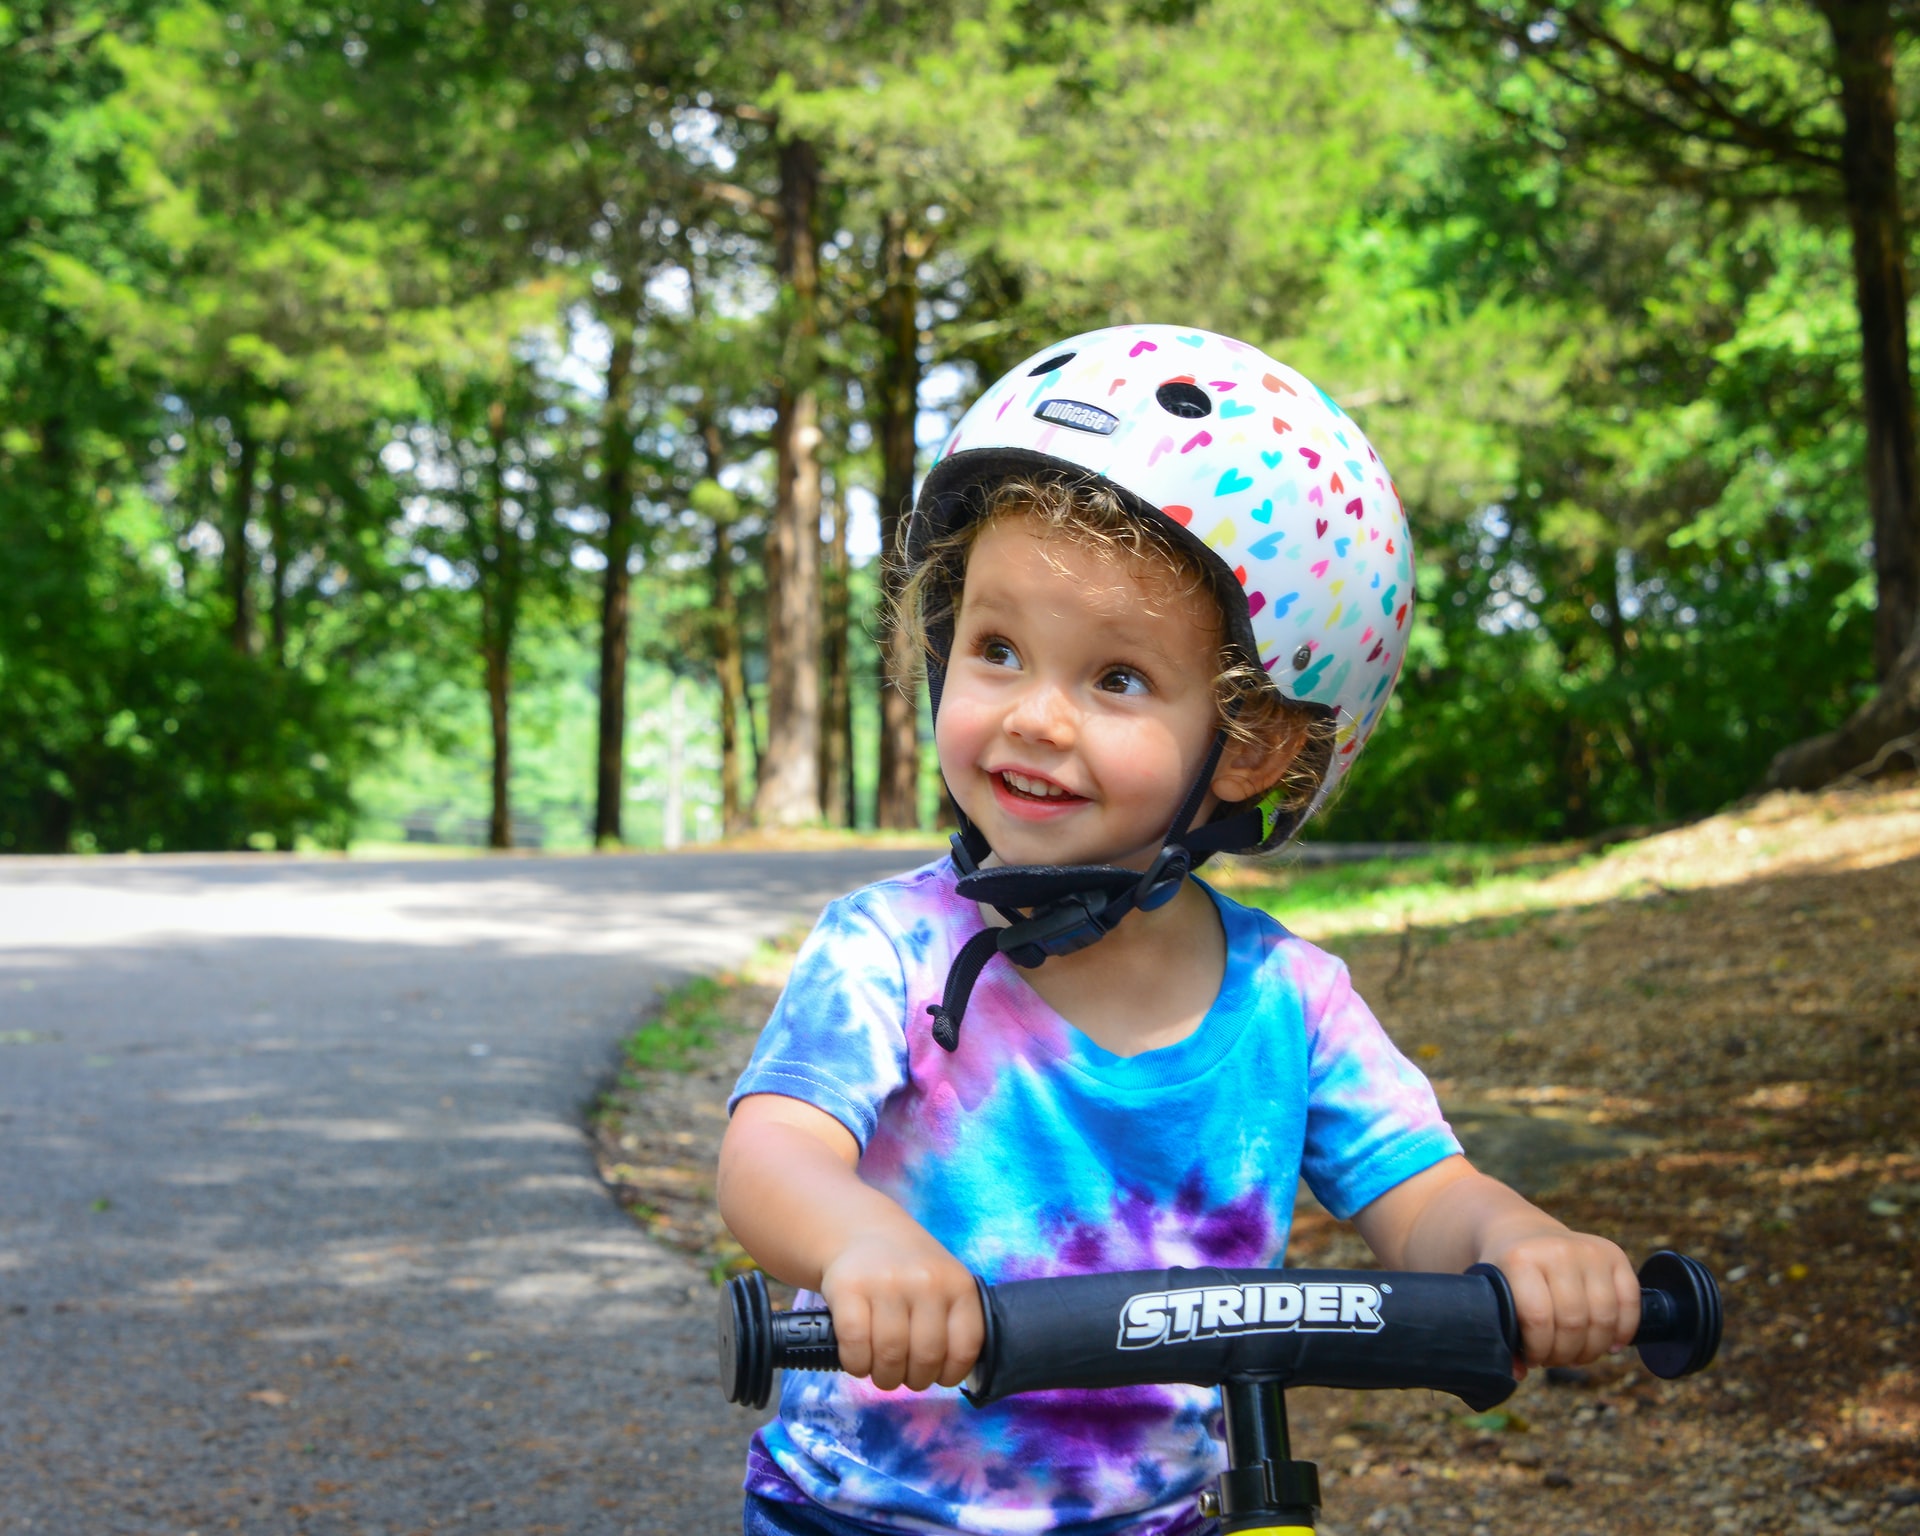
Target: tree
(897, 415)
(174, 364)
(487, 473)
(1726, 99)
(789, 792)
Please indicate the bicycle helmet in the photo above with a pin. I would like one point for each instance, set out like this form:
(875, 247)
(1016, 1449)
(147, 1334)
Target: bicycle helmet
(1287, 508)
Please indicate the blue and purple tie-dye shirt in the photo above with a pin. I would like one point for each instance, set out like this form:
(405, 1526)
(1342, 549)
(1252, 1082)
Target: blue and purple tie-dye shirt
(1032, 1152)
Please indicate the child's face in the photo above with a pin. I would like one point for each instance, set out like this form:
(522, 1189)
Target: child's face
(1079, 702)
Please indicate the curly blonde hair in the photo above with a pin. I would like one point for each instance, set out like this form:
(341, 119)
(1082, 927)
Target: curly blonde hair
(1090, 515)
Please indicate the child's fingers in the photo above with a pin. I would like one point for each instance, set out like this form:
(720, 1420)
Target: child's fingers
(1557, 1312)
(1533, 1306)
(927, 1342)
(1603, 1312)
(1575, 1297)
(966, 1334)
(890, 1340)
(853, 1328)
(1572, 1317)
(1626, 1286)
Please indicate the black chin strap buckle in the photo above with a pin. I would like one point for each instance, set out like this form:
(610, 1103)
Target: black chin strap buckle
(1163, 879)
(1060, 928)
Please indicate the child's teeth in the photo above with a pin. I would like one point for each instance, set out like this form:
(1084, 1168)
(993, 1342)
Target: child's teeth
(1029, 786)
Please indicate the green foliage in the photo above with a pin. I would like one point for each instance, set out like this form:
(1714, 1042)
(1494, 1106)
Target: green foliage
(127, 722)
(1663, 575)
(305, 312)
(679, 1036)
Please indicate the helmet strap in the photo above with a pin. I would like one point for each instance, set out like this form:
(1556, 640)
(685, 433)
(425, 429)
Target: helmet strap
(1059, 909)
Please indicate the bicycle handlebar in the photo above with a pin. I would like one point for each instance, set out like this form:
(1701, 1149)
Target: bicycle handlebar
(1298, 1327)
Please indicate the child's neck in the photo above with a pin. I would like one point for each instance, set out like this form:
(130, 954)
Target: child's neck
(1148, 984)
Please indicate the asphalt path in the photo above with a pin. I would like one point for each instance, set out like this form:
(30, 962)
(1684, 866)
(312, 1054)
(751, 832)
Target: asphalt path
(298, 1227)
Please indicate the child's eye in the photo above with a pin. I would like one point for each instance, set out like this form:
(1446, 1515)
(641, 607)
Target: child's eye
(995, 652)
(1122, 680)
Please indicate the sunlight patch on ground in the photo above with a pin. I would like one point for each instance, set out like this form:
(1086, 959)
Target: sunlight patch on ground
(1843, 830)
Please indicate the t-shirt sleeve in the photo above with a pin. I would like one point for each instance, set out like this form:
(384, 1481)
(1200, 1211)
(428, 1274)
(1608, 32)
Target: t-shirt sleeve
(1372, 1118)
(836, 1038)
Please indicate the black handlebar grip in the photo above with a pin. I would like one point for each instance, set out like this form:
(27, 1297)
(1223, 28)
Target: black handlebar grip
(1299, 1327)
(1305, 1328)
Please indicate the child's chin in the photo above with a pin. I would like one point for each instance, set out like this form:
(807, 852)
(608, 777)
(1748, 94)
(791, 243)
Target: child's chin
(1022, 846)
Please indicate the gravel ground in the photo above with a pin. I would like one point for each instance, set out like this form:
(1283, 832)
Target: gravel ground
(298, 1229)
(1709, 1040)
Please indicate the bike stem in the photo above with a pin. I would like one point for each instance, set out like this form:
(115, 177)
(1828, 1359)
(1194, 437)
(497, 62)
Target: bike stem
(1263, 1489)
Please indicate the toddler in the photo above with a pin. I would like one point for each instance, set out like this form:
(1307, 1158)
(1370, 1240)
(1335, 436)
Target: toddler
(1164, 585)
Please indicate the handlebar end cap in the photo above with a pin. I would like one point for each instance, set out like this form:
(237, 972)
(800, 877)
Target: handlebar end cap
(746, 1340)
(1696, 1295)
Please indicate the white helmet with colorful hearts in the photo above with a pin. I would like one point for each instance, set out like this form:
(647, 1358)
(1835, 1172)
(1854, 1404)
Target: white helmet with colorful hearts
(1252, 464)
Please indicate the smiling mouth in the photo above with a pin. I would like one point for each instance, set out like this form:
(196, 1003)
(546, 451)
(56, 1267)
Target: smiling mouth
(1039, 791)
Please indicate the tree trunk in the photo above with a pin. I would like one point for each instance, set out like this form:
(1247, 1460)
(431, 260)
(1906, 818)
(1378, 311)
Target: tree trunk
(789, 792)
(836, 763)
(278, 540)
(616, 479)
(1639, 749)
(499, 617)
(236, 557)
(1882, 729)
(1863, 45)
(897, 795)
(1882, 732)
(727, 665)
(500, 823)
(732, 679)
(754, 749)
(841, 723)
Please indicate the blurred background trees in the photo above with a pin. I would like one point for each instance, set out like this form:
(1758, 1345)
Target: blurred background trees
(473, 421)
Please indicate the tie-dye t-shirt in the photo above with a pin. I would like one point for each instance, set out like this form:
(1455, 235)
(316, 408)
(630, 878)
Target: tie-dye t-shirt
(1032, 1152)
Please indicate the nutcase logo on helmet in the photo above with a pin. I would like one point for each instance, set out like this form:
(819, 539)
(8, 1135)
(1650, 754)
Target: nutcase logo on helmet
(1082, 418)
(1206, 1312)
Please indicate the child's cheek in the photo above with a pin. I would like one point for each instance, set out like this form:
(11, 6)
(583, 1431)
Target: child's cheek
(1136, 761)
(958, 735)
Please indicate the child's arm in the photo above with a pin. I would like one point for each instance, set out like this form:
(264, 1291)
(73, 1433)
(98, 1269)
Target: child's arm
(1576, 1295)
(904, 1309)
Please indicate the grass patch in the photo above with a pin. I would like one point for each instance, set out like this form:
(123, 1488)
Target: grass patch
(682, 1034)
(657, 1130)
(1439, 888)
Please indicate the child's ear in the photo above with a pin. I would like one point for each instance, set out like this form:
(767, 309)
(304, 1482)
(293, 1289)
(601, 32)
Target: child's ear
(1251, 768)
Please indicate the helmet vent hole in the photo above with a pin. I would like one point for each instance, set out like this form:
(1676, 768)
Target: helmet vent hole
(1051, 363)
(1302, 657)
(1189, 401)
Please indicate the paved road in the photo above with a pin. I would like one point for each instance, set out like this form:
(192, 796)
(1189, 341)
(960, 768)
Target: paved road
(298, 1231)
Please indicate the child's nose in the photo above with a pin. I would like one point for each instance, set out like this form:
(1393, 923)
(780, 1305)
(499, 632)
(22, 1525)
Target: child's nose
(1043, 714)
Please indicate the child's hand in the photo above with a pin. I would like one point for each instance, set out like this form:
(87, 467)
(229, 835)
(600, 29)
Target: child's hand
(904, 1309)
(1576, 1295)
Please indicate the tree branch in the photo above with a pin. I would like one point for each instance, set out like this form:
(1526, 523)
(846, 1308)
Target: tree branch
(76, 37)
(1775, 138)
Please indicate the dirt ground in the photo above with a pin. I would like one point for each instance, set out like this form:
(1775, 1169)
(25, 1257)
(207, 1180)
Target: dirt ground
(1727, 1017)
